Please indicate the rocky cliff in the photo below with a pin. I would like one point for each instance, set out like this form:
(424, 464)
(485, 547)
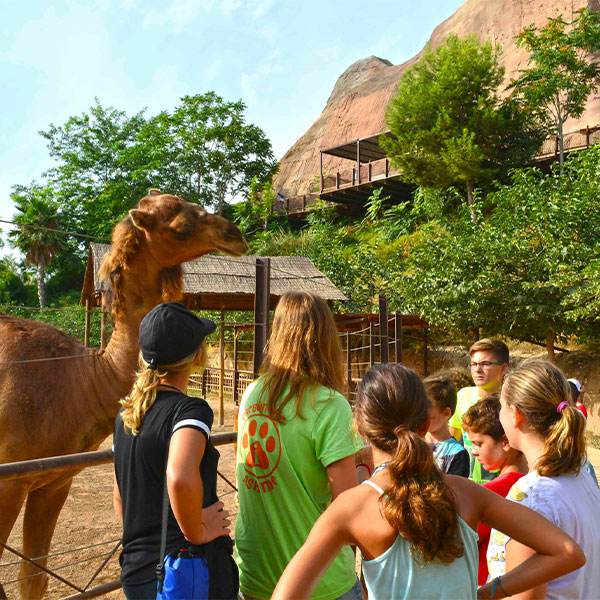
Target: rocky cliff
(357, 104)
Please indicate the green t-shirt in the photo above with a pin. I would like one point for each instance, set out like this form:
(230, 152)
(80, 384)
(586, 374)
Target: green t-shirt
(465, 398)
(283, 486)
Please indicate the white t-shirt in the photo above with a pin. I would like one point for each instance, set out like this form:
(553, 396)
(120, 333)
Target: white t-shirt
(571, 502)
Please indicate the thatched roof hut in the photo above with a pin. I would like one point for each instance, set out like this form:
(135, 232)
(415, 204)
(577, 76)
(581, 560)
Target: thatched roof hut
(217, 282)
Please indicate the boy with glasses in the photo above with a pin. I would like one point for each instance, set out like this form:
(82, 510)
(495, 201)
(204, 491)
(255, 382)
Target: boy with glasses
(489, 364)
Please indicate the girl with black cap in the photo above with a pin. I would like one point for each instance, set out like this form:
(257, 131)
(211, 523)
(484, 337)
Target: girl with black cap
(159, 419)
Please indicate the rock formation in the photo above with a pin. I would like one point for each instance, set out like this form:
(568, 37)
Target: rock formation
(356, 107)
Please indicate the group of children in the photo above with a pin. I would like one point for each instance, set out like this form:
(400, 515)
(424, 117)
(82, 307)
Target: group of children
(423, 524)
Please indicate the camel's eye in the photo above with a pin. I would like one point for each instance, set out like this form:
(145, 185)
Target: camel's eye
(182, 232)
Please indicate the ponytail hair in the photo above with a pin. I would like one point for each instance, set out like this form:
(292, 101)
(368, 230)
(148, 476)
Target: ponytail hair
(147, 381)
(540, 391)
(391, 405)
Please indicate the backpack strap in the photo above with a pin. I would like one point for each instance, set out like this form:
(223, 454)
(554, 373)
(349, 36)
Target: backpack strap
(160, 567)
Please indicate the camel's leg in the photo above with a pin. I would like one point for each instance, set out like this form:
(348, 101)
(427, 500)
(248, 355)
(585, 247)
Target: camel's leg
(12, 496)
(41, 513)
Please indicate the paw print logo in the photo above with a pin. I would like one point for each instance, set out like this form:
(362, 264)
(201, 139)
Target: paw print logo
(260, 446)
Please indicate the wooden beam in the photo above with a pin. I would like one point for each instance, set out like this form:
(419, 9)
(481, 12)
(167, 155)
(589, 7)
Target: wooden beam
(261, 310)
(383, 329)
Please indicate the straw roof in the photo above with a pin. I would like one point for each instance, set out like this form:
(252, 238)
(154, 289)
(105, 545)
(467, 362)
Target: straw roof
(217, 281)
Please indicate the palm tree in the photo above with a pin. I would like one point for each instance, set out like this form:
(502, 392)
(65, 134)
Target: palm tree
(36, 217)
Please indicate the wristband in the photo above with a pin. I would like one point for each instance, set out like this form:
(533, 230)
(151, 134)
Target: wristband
(497, 582)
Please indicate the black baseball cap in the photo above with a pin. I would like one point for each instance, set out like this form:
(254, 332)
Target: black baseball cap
(170, 332)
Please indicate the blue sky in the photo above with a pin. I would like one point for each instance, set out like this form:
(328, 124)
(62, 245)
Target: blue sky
(281, 57)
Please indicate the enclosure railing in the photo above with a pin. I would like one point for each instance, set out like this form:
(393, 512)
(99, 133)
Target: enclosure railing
(58, 463)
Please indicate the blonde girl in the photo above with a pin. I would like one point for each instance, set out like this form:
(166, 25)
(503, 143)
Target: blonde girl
(540, 421)
(296, 449)
(158, 415)
(415, 526)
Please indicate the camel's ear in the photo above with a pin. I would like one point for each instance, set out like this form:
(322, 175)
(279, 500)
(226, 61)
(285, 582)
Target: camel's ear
(154, 192)
(142, 219)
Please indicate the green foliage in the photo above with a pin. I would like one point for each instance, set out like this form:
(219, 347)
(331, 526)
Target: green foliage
(448, 125)
(12, 288)
(561, 75)
(528, 268)
(203, 150)
(256, 213)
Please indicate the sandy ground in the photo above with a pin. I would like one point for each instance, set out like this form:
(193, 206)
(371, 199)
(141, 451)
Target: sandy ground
(87, 519)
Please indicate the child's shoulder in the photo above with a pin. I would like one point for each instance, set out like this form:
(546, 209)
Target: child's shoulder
(450, 446)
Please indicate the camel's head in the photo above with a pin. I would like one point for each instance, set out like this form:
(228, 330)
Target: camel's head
(172, 231)
(177, 231)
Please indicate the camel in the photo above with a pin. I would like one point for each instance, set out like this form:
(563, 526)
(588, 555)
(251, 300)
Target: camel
(67, 406)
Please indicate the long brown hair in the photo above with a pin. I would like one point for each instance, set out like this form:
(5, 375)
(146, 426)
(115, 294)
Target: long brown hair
(147, 381)
(537, 388)
(390, 407)
(304, 351)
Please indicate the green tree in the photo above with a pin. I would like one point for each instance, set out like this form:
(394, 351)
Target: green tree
(93, 181)
(448, 125)
(37, 217)
(204, 150)
(528, 270)
(562, 73)
(12, 287)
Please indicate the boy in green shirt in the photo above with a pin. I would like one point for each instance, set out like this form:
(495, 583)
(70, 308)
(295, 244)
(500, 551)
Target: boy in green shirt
(489, 364)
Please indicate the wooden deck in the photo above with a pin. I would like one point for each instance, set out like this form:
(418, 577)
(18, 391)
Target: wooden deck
(349, 189)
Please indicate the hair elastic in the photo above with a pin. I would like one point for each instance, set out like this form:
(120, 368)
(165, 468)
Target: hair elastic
(399, 429)
(561, 407)
(152, 365)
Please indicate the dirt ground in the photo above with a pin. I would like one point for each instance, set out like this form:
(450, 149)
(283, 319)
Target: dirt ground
(88, 530)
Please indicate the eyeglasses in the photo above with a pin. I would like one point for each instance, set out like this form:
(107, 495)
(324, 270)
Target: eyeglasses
(485, 364)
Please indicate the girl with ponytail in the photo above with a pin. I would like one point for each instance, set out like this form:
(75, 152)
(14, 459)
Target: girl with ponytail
(159, 420)
(414, 525)
(540, 420)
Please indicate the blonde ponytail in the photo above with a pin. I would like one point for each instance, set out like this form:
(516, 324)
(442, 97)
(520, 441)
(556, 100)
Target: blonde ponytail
(540, 391)
(148, 380)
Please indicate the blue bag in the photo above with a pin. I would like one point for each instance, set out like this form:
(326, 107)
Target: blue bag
(185, 577)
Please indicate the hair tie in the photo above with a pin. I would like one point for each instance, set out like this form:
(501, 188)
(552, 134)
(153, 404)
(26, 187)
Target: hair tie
(561, 407)
(399, 429)
(152, 365)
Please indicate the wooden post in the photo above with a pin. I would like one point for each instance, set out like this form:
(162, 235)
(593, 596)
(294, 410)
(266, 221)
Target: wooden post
(236, 333)
(103, 332)
(261, 309)
(370, 171)
(383, 329)
(86, 331)
(587, 136)
(222, 369)
(349, 362)
(204, 378)
(556, 145)
(358, 159)
(372, 343)
(321, 173)
(337, 180)
(425, 352)
(353, 175)
(398, 335)
(387, 167)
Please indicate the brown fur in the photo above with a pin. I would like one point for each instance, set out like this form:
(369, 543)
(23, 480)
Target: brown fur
(66, 406)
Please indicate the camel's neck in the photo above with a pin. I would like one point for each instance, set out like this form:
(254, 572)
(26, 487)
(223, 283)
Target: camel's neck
(140, 285)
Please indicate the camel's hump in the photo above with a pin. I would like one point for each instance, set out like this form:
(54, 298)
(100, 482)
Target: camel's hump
(22, 339)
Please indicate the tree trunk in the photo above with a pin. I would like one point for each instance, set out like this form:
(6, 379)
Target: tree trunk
(470, 201)
(41, 285)
(561, 146)
(550, 337)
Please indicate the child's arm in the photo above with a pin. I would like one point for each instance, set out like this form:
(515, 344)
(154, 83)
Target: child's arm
(552, 552)
(327, 537)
